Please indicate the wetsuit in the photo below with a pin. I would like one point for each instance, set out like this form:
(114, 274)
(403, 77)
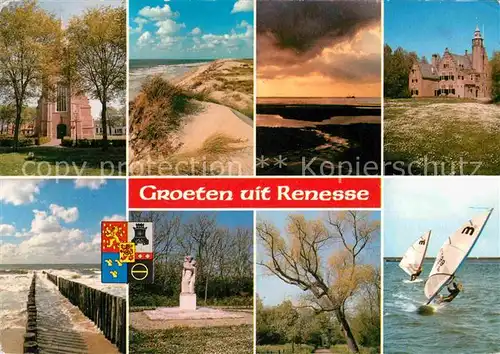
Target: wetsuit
(453, 293)
(414, 276)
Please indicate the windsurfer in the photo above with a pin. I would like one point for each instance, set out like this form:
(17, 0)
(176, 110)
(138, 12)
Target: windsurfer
(454, 291)
(416, 274)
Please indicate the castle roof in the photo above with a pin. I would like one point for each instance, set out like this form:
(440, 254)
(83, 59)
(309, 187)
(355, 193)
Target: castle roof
(428, 70)
(465, 60)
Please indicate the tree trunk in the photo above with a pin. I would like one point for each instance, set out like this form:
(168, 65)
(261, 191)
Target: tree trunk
(104, 126)
(206, 289)
(346, 329)
(17, 126)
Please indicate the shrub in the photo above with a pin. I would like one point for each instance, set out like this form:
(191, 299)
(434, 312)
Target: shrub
(8, 141)
(92, 143)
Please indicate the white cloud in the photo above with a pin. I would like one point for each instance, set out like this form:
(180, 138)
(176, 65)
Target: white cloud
(157, 12)
(168, 27)
(140, 25)
(242, 6)
(68, 215)
(145, 39)
(49, 241)
(196, 31)
(114, 217)
(243, 24)
(89, 183)
(7, 230)
(19, 192)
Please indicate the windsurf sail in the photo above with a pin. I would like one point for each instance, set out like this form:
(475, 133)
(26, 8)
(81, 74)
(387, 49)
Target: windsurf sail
(414, 256)
(452, 254)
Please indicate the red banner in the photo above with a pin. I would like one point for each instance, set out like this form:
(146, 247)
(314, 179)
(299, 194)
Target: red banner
(253, 193)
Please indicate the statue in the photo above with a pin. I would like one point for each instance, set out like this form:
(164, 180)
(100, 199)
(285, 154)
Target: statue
(187, 298)
(188, 275)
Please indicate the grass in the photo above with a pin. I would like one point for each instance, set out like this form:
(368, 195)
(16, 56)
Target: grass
(52, 161)
(285, 349)
(182, 340)
(441, 137)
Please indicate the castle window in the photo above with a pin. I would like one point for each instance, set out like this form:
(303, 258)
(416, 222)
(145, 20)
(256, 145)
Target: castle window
(62, 98)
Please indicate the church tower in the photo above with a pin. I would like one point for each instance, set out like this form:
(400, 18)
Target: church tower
(478, 51)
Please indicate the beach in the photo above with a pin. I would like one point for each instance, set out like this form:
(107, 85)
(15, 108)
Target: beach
(469, 324)
(222, 91)
(52, 306)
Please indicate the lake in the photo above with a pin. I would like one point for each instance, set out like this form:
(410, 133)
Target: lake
(469, 324)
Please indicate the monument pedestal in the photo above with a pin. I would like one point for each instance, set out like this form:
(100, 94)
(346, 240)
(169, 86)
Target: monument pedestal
(187, 301)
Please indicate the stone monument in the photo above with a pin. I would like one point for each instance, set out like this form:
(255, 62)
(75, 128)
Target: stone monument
(187, 299)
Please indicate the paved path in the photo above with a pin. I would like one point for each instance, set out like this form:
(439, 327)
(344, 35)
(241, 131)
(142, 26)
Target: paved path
(62, 328)
(322, 351)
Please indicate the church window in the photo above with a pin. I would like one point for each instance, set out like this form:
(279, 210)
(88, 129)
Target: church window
(62, 98)
(416, 92)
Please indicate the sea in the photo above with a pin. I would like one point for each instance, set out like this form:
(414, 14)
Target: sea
(15, 281)
(469, 325)
(140, 69)
(276, 120)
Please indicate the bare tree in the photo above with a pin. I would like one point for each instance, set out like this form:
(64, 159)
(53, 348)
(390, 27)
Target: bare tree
(297, 258)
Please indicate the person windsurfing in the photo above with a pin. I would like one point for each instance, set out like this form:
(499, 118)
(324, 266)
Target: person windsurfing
(453, 292)
(416, 274)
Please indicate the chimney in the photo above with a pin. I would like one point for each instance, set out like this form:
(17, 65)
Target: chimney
(435, 60)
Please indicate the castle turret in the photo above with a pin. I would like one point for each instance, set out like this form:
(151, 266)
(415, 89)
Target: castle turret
(478, 51)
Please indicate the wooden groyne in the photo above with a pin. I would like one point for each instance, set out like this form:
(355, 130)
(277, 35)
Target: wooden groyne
(30, 337)
(108, 312)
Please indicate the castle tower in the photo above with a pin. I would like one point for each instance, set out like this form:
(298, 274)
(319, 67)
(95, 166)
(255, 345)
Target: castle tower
(478, 51)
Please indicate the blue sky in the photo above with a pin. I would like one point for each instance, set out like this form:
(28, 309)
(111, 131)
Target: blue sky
(412, 206)
(194, 29)
(56, 221)
(270, 288)
(428, 27)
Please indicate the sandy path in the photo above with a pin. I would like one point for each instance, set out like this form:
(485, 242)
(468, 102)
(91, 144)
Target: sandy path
(141, 322)
(220, 119)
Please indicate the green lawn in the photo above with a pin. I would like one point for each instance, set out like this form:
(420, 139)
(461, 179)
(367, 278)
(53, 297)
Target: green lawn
(52, 161)
(185, 340)
(441, 137)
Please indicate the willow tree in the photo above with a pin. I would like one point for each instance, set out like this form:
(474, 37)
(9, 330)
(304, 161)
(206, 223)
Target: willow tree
(29, 48)
(324, 258)
(98, 56)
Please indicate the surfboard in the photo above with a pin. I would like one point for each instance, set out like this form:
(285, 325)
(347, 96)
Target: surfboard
(452, 254)
(426, 310)
(414, 256)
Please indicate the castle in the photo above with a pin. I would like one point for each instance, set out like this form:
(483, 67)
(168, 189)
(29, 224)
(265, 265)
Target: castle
(453, 75)
(67, 113)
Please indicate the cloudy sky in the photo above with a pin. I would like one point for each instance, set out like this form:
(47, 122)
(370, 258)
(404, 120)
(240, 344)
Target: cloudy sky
(412, 206)
(196, 29)
(56, 221)
(318, 48)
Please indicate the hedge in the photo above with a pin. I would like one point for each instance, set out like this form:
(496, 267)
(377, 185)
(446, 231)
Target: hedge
(92, 143)
(8, 141)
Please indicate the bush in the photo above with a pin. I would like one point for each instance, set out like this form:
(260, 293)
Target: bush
(92, 143)
(43, 140)
(8, 141)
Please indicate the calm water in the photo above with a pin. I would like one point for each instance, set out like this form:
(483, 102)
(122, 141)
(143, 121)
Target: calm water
(469, 324)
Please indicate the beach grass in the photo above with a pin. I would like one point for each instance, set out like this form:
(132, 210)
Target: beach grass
(185, 340)
(442, 137)
(53, 160)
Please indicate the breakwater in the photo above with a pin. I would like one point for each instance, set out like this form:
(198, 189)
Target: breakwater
(30, 337)
(108, 312)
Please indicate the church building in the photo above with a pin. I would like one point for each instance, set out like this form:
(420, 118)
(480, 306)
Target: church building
(69, 113)
(454, 75)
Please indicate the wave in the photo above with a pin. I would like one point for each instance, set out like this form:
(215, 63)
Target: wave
(407, 281)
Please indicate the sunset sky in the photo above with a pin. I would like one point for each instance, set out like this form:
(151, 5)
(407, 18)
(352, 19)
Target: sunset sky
(318, 48)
